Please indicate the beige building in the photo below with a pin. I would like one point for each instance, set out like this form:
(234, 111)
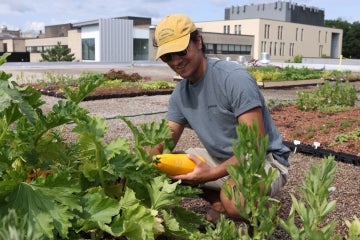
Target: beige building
(282, 40)
(53, 36)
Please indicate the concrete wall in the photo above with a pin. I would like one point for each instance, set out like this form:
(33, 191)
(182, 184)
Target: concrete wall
(116, 40)
(278, 11)
(74, 43)
(332, 61)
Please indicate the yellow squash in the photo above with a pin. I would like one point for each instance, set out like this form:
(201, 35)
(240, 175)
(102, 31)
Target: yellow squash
(174, 164)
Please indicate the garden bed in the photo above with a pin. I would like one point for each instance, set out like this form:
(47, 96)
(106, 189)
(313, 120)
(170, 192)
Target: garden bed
(306, 126)
(313, 126)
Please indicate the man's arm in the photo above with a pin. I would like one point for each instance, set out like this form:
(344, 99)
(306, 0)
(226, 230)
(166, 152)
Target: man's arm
(203, 172)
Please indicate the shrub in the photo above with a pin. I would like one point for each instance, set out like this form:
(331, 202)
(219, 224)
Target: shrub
(328, 97)
(298, 59)
(122, 75)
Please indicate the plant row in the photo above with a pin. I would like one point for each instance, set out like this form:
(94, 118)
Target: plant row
(272, 73)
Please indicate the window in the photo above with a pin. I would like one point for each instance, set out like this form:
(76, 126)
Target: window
(278, 35)
(228, 49)
(141, 49)
(47, 48)
(239, 29)
(291, 49)
(35, 49)
(224, 48)
(210, 48)
(280, 30)
(296, 34)
(326, 37)
(302, 34)
(275, 45)
(263, 46)
(281, 49)
(231, 48)
(321, 50)
(267, 31)
(5, 47)
(88, 48)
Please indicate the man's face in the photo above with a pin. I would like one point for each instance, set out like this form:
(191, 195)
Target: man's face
(187, 63)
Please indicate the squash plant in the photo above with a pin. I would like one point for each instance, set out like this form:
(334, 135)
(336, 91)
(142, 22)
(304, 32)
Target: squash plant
(85, 188)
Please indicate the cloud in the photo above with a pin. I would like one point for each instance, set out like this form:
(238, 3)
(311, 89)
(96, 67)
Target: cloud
(34, 26)
(15, 7)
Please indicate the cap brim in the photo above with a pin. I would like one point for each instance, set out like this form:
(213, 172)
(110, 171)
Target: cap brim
(173, 46)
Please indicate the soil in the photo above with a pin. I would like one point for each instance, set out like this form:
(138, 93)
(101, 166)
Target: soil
(324, 128)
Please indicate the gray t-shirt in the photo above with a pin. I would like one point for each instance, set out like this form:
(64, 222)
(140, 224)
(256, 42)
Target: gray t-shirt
(211, 107)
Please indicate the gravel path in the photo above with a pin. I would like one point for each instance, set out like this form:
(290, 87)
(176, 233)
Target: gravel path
(152, 108)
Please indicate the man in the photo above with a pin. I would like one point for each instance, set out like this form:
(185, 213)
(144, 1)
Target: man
(214, 97)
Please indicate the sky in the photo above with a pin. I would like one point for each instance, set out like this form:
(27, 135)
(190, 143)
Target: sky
(33, 15)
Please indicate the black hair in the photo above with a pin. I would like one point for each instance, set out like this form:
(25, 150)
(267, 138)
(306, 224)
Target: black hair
(195, 36)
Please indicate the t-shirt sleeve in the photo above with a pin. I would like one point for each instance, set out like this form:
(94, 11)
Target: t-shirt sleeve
(243, 92)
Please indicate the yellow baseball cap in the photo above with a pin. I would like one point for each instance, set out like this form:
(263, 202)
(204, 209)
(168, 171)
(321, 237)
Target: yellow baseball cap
(172, 34)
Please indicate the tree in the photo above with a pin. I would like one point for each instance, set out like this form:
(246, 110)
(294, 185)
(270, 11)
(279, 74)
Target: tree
(351, 36)
(59, 53)
(353, 39)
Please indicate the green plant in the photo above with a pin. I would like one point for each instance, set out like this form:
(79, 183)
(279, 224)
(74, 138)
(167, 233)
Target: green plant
(274, 103)
(122, 75)
(344, 124)
(252, 181)
(344, 137)
(282, 74)
(157, 85)
(298, 59)
(313, 206)
(58, 53)
(324, 128)
(354, 229)
(310, 131)
(328, 97)
(308, 214)
(298, 132)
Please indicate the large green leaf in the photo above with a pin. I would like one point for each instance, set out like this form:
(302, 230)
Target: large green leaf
(162, 192)
(84, 89)
(48, 207)
(136, 221)
(99, 210)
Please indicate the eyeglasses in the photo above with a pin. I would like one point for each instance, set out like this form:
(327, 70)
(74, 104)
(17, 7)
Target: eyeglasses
(168, 56)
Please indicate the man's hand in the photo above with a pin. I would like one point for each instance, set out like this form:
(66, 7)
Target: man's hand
(201, 172)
